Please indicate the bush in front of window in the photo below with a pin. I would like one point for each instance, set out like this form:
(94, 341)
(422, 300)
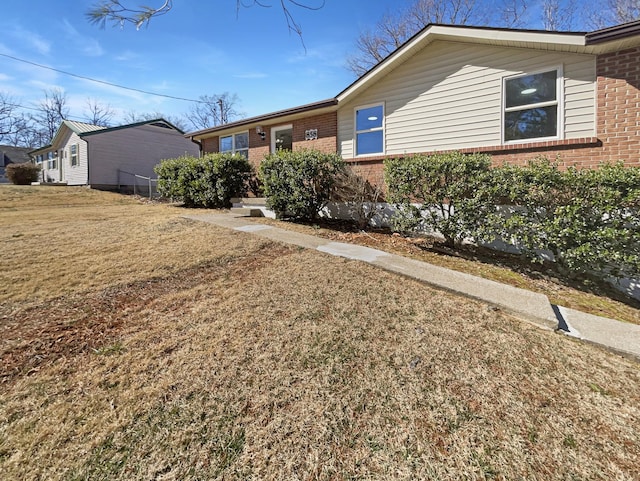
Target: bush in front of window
(210, 181)
(589, 219)
(448, 193)
(22, 174)
(298, 184)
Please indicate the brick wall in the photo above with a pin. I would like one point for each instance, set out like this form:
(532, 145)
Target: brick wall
(326, 124)
(211, 145)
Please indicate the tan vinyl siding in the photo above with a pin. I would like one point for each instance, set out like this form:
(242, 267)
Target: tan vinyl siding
(449, 96)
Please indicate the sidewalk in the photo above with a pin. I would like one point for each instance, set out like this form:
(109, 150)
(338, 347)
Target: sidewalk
(620, 337)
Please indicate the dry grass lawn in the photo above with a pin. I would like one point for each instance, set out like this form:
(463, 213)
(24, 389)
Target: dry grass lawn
(136, 345)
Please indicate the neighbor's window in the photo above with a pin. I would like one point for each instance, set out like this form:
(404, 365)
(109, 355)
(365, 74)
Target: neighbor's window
(52, 159)
(236, 144)
(531, 106)
(74, 154)
(370, 130)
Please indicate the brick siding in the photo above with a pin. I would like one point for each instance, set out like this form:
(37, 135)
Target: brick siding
(326, 124)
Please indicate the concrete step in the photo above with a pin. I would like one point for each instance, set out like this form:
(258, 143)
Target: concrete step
(247, 212)
(249, 201)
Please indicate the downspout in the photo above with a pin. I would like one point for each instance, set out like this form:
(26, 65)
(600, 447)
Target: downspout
(88, 163)
(198, 143)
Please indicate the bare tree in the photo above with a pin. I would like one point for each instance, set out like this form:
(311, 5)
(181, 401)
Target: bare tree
(8, 115)
(372, 46)
(558, 15)
(613, 12)
(116, 12)
(513, 13)
(132, 117)
(213, 110)
(51, 111)
(98, 114)
(452, 12)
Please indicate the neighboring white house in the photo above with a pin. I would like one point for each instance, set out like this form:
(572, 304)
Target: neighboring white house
(107, 158)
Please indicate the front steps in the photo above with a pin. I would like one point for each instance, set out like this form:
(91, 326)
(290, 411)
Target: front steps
(250, 207)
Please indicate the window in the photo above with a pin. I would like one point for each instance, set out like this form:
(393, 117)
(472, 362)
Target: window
(74, 154)
(369, 130)
(236, 144)
(52, 159)
(531, 107)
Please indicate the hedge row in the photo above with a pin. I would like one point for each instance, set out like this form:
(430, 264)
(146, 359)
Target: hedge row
(588, 219)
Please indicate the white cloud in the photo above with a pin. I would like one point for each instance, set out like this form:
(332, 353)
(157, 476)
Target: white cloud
(31, 39)
(255, 75)
(126, 56)
(163, 86)
(87, 45)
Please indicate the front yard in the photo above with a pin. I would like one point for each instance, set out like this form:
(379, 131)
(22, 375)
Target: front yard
(139, 345)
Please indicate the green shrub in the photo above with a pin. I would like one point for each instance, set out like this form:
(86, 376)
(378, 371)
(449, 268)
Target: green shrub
(22, 174)
(588, 218)
(209, 181)
(298, 184)
(449, 193)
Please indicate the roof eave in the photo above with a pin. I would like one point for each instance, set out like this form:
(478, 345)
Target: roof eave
(617, 32)
(282, 115)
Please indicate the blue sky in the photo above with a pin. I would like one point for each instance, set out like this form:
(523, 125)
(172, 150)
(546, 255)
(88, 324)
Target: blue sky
(199, 48)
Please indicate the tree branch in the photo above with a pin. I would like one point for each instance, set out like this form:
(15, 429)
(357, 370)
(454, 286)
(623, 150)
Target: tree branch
(114, 11)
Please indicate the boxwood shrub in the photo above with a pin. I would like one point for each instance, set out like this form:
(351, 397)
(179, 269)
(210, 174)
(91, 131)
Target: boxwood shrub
(449, 193)
(298, 184)
(210, 181)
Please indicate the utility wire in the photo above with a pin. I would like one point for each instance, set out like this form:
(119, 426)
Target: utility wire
(98, 81)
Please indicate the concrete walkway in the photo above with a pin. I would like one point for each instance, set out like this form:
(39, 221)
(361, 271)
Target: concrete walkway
(620, 337)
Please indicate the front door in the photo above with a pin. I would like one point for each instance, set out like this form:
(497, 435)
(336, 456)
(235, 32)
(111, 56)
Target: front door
(282, 138)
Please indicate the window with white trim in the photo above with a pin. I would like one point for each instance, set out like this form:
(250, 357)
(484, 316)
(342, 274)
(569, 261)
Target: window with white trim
(73, 152)
(52, 160)
(236, 144)
(370, 130)
(531, 106)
